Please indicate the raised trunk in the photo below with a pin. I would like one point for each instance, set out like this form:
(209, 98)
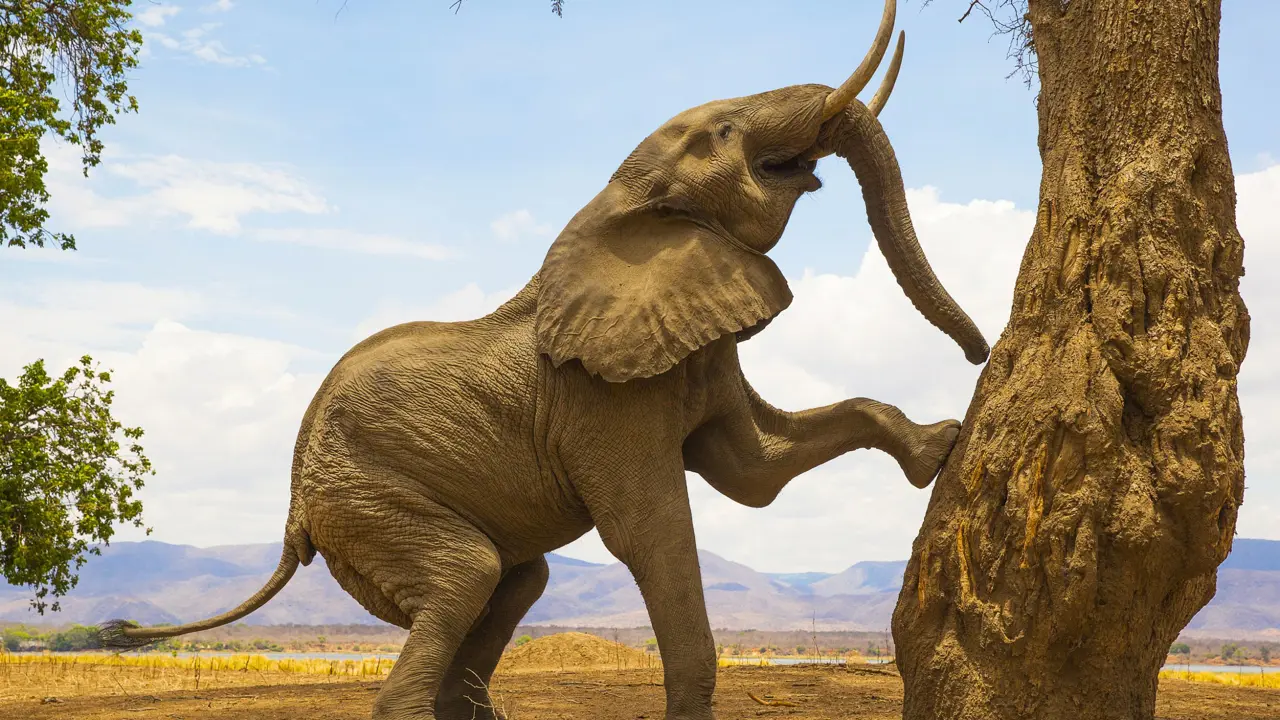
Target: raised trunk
(1079, 522)
(857, 136)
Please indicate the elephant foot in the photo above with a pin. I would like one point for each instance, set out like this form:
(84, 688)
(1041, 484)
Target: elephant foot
(930, 452)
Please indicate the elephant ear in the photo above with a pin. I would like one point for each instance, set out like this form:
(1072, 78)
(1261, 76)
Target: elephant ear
(631, 297)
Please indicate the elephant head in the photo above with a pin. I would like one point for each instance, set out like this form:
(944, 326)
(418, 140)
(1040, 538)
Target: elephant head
(671, 254)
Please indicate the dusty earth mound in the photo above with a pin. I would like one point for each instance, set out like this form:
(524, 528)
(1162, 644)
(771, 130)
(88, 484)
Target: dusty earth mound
(575, 651)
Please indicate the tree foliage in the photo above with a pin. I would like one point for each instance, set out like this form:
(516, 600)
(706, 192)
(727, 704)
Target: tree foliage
(68, 472)
(81, 47)
(74, 638)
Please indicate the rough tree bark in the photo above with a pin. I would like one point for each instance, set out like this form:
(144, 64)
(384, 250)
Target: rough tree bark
(1079, 522)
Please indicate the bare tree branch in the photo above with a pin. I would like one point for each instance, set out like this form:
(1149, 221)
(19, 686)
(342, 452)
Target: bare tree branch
(557, 7)
(1009, 17)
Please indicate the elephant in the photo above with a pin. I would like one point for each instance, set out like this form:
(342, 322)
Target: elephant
(439, 462)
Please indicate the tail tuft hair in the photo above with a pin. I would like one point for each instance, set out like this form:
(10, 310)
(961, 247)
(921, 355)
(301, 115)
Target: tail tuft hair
(112, 635)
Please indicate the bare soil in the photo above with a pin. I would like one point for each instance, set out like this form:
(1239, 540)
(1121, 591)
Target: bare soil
(812, 691)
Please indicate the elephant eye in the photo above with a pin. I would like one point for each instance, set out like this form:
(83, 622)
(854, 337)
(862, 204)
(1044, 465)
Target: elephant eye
(724, 131)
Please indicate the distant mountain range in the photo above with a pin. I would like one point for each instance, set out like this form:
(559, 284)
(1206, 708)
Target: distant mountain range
(154, 582)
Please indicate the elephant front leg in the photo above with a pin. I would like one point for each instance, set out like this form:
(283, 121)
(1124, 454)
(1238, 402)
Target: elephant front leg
(750, 452)
(646, 523)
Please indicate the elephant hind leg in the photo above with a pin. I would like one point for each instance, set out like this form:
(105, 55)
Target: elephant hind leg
(436, 568)
(369, 596)
(449, 572)
(464, 692)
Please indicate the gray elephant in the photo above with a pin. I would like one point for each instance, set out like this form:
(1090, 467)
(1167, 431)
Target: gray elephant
(438, 462)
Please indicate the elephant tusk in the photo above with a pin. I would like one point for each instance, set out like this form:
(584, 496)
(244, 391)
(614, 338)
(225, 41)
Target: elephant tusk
(842, 95)
(881, 97)
(890, 77)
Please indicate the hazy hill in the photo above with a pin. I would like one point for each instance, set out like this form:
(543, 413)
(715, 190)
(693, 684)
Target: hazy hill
(156, 582)
(1248, 596)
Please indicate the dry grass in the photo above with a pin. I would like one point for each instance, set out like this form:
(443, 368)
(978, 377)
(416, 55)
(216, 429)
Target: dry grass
(26, 676)
(813, 692)
(70, 675)
(759, 661)
(1256, 680)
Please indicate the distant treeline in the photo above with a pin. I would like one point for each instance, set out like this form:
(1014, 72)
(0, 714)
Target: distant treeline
(85, 637)
(1226, 652)
(76, 637)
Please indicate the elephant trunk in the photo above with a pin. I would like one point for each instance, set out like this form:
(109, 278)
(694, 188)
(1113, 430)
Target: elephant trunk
(858, 137)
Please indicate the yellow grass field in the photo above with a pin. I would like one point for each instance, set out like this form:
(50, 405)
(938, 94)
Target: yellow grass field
(565, 677)
(65, 674)
(1257, 680)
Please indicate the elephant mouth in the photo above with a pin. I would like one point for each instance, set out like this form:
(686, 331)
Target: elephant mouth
(786, 168)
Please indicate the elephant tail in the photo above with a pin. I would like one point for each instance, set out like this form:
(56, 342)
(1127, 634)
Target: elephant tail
(126, 635)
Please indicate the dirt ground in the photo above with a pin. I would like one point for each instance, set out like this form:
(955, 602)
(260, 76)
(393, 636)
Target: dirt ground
(814, 692)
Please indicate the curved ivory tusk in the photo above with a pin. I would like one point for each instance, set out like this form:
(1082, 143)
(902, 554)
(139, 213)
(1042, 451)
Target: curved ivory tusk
(841, 96)
(890, 77)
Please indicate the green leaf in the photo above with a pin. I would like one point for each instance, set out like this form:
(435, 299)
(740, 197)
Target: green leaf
(66, 479)
(80, 50)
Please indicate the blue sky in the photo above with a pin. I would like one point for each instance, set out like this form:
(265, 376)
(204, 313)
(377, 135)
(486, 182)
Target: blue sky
(301, 174)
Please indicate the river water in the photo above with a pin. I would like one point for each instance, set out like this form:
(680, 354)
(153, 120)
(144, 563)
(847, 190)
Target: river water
(798, 660)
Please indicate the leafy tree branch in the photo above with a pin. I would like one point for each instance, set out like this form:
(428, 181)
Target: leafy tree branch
(68, 474)
(82, 46)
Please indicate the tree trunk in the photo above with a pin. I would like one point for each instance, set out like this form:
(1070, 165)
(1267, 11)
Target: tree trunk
(1079, 522)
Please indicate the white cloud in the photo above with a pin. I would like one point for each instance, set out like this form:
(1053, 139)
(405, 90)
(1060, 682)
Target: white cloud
(61, 320)
(206, 194)
(197, 43)
(156, 15)
(220, 410)
(468, 303)
(517, 225)
(861, 336)
(214, 195)
(1258, 218)
(219, 6)
(349, 241)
